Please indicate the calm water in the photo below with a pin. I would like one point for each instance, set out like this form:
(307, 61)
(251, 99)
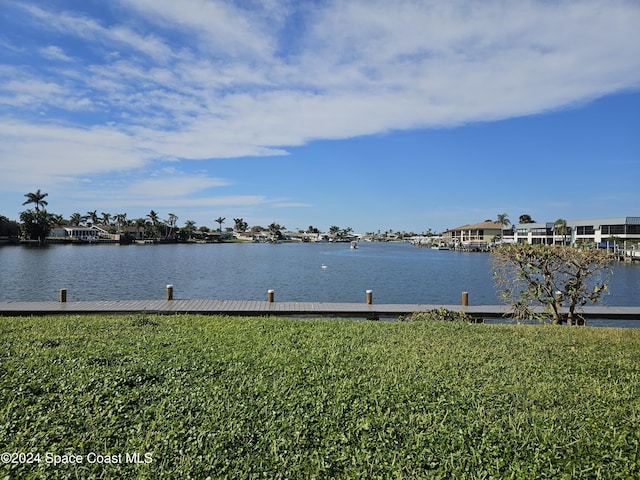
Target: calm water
(396, 272)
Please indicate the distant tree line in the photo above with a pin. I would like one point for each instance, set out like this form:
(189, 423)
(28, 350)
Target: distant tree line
(37, 222)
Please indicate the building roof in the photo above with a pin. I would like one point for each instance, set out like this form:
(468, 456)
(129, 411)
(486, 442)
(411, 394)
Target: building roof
(597, 222)
(478, 226)
(252, 234)
(82, 227)
(593, 222)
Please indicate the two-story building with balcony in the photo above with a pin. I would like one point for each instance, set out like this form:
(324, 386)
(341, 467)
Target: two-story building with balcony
(594, 231)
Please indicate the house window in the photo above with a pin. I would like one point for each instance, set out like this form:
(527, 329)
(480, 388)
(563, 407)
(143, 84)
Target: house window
(612, 229)
(541, 231)
(585, 230)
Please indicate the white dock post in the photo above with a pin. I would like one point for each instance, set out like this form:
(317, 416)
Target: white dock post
(369, 297)
(169, 292)
(270, 295)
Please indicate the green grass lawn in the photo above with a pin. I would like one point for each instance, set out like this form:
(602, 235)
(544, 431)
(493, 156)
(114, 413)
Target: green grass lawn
(219, 397)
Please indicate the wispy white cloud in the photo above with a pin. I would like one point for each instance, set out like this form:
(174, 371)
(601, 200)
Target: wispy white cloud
(101, 36)
(222, 28)
(32, 153)
(166, 190)
(173, 186)
(52, 52)
(291, 205)
(183, 206)
(202, 79)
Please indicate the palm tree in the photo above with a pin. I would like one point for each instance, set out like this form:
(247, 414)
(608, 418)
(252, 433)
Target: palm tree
(345, 232)
(171, 223)
(560, 227)
(240, 225)
(220, 220)
(93, 216)
(121, 220)
(154, 219)
(275, 231)
(37, 224)
(106, 218)
(139, 222)
(37, 199)
(189, 227)
(503, 220)
(75, 219)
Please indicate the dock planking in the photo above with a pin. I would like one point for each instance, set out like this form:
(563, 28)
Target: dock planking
(265, 308)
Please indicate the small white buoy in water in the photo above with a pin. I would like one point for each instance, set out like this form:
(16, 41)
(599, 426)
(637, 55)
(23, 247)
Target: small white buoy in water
(323, 266)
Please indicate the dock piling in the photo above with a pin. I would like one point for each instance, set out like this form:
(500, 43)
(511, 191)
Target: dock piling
(63, 295)
(270, 295)
(169, 292)
(465, 299)
(369, 297)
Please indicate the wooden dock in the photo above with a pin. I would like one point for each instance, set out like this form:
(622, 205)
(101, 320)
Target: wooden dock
(267, 308)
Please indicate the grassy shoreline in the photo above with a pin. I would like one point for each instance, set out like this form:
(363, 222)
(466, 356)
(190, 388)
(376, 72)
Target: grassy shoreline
(223, 397)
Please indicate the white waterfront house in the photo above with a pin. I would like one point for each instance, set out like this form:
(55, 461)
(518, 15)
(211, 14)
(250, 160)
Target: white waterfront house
(82, 233)
(255, 237)
(590, 231)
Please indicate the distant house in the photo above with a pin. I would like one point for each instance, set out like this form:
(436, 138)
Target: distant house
(477, 235)
(212, 236)
(82, 233)
(251, 236)
(79, 232)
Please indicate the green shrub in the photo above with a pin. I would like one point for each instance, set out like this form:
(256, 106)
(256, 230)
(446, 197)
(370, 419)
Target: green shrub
(438, 315)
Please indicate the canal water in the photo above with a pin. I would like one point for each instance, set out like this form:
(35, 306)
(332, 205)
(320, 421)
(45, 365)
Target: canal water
(322, 272)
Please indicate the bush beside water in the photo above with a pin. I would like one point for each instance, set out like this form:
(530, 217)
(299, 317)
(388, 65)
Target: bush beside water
(283, 398)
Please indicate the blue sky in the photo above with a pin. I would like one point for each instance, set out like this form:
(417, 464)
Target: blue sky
(367, 114)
